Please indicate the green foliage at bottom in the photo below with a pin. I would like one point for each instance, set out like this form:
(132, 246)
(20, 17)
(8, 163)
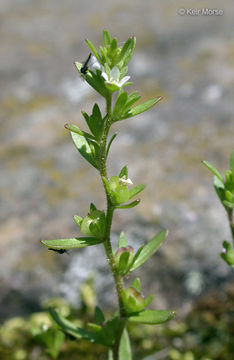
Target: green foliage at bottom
(207, 333)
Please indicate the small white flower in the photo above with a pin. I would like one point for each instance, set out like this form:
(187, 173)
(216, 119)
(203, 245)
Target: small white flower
(124, 181)
(94, 63)
(114, 76)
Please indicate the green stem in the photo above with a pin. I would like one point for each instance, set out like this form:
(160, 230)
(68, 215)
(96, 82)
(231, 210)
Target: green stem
(231, 223)
(107, 241)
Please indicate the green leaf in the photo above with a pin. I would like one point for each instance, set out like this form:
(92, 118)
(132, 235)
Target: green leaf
(99, 316)
(110, 142)
(78, 220)
(136, 284)
(152, 317)
(149, 249)
(114, 44)
(228, 204)
(106, 38)
(128, 206)
(127, 51)
(124, 172)
(213, 170)
(123, 262)
(71, 329)
(94, 50)
(136, 190)
(83, 146)
(219, 188)
(122, 240)
(141, 108)
(125, 352)
(119, 105)
(132, 98)
(232, 161)
(73, 243)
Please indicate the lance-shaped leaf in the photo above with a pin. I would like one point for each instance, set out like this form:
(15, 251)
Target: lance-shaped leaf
(106, 38)
(219, 188)
(152, 317)
(74, 243)
(136, 190)
(213, 170)
(128, 206)
(99, 316)
(148, 250)
(228, 204)
(124, 172)
(141, 108)
(232, 161)
(71, 329)
(94, 50)
(127, 51)
(84, 147)
(125, 352)
(119, 105)
(109, 143)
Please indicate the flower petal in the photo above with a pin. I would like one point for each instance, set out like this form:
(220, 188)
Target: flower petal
(114, 74)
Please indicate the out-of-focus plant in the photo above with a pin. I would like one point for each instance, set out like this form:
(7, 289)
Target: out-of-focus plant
(224, 188)
(106, 72)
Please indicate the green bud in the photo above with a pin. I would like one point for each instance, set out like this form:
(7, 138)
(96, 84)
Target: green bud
(133, 301)
(119, 191)
(94, 224)
(123, 258)
(227, 253)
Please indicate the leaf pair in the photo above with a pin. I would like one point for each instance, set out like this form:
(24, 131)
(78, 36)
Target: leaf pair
(123, 106)
(103, 335)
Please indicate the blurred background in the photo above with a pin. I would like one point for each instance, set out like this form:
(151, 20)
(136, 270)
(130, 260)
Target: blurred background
(189, 60)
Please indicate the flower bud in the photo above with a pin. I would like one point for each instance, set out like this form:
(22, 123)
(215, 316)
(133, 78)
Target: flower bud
(94, 224)
(123, 258)
(133, 300)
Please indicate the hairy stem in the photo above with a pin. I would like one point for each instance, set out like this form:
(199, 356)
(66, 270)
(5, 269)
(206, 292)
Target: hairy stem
(107, 240)
(231, 223)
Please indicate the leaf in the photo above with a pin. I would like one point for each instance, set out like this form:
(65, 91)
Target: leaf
(106, 38)
(152, 317)
(213, 170)
(83, 146)
(114, 44)
(73, 330)
(123, 262)
(128, 206)
(127, 51)
(94, 50)
(125, 352)
(141, 108)
(228, 204)
(119, 105)
(149, 249)
(219, 188)
(99, 316)
(124, 172)
(73, 243)
(136, 284)
(232, 161)
(136, 190)
(122, 240)
(110, 142)
(78, 219)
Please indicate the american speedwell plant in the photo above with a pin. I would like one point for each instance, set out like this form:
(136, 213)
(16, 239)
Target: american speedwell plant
(224, 188)
(106, 72)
